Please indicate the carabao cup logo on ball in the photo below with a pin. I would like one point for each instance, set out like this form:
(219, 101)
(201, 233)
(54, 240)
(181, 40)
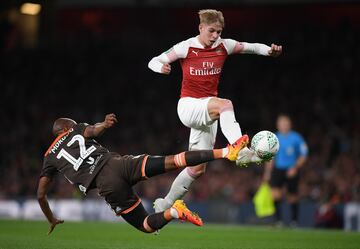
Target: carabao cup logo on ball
(265, 144)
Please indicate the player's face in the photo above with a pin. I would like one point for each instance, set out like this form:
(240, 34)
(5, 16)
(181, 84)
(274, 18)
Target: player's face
(283, 124)
(209, 33)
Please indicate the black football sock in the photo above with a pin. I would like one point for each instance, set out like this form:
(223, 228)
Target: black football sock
(294, 211)
(193, 158)
(157, 221)
(155, 165)
(278, 210)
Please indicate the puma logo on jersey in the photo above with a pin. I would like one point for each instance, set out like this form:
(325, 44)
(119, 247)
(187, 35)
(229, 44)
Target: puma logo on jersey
(195, 52)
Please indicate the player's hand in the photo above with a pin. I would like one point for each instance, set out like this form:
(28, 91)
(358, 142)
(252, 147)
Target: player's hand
(166, 69)
(53, 224)
(290, 173)
(110, 120)
(275, 50)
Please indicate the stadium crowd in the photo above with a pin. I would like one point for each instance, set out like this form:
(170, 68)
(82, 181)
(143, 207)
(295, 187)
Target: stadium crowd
(89, 76)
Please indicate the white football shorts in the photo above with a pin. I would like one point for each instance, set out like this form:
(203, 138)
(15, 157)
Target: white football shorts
(193, 113)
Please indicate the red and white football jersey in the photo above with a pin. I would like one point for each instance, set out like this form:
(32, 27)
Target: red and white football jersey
(201, 66)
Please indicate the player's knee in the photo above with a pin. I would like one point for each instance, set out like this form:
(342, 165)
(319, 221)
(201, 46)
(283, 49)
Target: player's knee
(226, 105)
(197, 171)
(227, 102)
(217, 105)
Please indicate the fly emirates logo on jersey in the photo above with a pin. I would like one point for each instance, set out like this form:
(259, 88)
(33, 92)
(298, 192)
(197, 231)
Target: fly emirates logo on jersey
(208, 68)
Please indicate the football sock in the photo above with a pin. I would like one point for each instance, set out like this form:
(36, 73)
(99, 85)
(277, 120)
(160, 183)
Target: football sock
(221, 153)
(179, 187)
(228, 124)
(183, 181)
(193, 158)
(157, 221)
(294, 211)
(155, 165)
(278, 210)
(174, 213)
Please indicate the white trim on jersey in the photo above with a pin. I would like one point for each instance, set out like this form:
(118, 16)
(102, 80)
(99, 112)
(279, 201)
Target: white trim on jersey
(157, 62)
(255, 48)
(180, 50)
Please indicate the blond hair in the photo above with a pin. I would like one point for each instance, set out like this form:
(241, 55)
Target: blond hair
(209, 16)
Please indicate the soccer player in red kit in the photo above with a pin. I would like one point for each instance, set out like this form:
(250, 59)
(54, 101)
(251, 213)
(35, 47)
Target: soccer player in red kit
(202, 59)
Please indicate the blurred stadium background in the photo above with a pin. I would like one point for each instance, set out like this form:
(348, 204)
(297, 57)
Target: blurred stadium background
(83, 59)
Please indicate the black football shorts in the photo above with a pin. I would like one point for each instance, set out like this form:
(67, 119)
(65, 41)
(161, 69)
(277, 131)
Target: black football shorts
(115, 181)
(279, 179)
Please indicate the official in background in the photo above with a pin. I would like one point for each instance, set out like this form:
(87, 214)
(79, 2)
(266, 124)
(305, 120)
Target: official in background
(283, 170)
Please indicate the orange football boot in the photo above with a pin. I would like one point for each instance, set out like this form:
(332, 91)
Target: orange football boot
(235, 148)
(185, 214)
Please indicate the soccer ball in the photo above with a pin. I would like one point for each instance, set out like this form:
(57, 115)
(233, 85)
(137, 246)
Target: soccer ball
(265, 144)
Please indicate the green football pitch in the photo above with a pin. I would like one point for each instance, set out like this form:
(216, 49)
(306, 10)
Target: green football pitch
(96, 235)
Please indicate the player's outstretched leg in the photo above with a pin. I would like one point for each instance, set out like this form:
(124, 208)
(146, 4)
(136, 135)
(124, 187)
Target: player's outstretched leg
(192, 158)
(146, 223)
(178, 190)
(156, 165)
(223, 109)
(228, 124)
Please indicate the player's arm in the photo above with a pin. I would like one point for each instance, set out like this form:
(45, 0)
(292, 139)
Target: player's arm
(298, 165)
(161, 63)
(43, 188)
(236, 47)
(303, 152)
(99, 128)
(300, 162)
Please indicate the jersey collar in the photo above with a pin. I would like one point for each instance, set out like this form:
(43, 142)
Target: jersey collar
(199, 45)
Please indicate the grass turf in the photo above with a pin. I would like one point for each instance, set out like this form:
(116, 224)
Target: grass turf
(96, 235)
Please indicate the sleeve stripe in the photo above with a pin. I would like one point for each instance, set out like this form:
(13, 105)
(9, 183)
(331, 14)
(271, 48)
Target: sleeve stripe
(143, 164)
(55, 141)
